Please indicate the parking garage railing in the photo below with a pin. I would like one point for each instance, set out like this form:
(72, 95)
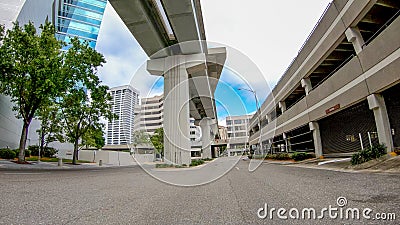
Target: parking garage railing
(384, 26)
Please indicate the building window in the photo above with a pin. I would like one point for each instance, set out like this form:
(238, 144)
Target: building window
(238, 121)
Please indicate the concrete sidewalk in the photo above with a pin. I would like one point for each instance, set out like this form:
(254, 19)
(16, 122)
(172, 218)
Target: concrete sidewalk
(34, 165)
(387, 164)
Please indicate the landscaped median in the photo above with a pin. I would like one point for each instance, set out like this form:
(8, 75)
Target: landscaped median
(375, 158)
(195, 162)
(46, 159)
(32, 155)
(296, 156)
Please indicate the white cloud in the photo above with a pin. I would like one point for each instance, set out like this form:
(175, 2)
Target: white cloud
(222, 122)
(270, 33)
(263, 38)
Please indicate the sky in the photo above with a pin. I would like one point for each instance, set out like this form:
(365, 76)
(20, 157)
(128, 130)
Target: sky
(262, 37)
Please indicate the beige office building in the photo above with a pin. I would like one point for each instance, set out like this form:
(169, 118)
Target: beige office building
(236, 128)
(149, 114)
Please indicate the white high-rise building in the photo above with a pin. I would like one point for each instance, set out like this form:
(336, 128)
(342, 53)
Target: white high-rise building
(124, 100)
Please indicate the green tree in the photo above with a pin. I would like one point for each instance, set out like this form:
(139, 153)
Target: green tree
(94, 137)
(157, 139)
(140, 137)
(50, 124)
(83, 105)
(31, 71)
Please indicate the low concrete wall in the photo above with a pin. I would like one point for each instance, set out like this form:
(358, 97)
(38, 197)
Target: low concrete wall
(143, 158)
(108, 157)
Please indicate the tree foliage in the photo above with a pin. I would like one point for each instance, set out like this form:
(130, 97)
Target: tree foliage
(158, 141)
(94, 137)
(50, 124)
(84, 104)
(31, 71)
(59, 87)
(140, 138)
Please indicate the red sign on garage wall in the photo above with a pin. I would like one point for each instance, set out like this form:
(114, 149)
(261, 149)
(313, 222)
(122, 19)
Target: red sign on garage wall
(331, 109)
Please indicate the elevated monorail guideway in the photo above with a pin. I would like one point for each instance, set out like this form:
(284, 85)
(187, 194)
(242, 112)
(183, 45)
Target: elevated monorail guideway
(172, 34)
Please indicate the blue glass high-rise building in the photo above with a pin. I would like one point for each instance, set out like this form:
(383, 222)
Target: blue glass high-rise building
(79, 18)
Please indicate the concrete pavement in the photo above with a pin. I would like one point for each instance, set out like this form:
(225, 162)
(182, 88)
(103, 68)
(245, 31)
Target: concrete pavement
(385, 164)
(130, 196)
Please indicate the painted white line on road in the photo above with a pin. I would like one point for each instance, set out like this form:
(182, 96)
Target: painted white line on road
(23, 173)
(237, 168)
(335, 160)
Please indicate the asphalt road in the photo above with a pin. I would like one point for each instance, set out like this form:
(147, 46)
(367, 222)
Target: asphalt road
(131, 196)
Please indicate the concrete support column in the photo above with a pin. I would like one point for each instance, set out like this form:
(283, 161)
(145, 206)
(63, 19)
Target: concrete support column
(314, 127)
(269, 118)
(287, 142)
(354, 36)
(176, 111)
(285, 139)
(206, 137)
(306, 84)
(282, 106)
(177, 147)
(376, 103)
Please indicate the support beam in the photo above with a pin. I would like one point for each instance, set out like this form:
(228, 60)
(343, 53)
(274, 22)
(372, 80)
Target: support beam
(269, 118)
(207, 136)
(287, 142)
(376, 103)
(353, 35)
(306, 84)
(314, 127)
(282, 106)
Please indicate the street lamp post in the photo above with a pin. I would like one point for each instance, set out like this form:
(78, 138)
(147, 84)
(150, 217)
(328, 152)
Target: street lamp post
(258, 113)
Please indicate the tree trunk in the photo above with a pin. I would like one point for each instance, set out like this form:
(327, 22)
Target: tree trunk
(41, 141)
(22, 142)
(75, 156)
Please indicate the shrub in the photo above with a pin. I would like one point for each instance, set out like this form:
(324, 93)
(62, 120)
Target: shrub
(368, 154)
(207, 159)
(27, 152)
(282, 156)
(34, 150)
(7, 153)
(164, 165)
(299, 156)
(47, 151)
(196, 162)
